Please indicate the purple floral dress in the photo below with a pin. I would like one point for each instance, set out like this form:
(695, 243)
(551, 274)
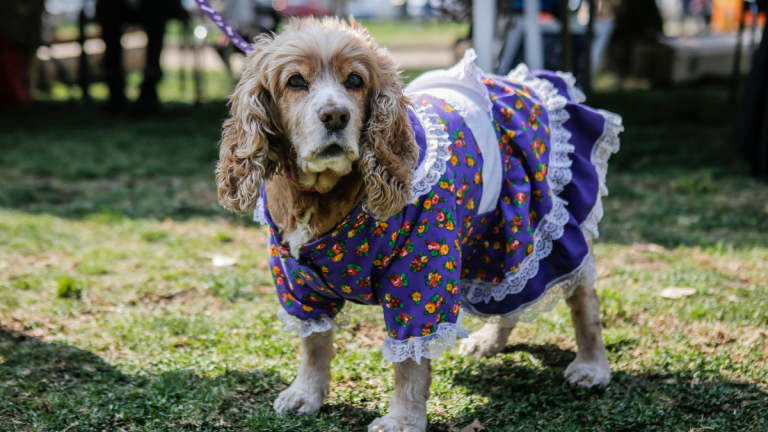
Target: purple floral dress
(443, 254)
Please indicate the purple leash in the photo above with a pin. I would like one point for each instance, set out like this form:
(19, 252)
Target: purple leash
(224, 26)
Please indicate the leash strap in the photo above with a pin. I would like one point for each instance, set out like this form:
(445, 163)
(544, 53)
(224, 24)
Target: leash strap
(224, 26)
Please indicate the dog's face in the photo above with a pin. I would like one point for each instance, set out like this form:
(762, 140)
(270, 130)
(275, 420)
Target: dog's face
(322, 107)
(318, 100)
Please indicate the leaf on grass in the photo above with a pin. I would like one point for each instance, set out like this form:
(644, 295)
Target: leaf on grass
(219, 260)
(476, 426)
(649, 248)
(676, 292)
(223, 260)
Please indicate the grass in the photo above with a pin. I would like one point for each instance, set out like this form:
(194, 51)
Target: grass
(112, 316)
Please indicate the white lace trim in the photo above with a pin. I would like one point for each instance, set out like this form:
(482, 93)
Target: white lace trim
(551, 227)
(574, 93)
(306, 328)
(562, 288)
(430, 346)
(606, 145)
(437, 154)
(259, 215)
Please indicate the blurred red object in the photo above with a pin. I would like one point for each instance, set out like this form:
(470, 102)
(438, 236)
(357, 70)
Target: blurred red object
(300, 8)
(13, 72)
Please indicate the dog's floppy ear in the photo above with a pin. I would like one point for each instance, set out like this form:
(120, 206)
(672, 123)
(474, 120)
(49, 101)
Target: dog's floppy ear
(389, 151)
(245, 157)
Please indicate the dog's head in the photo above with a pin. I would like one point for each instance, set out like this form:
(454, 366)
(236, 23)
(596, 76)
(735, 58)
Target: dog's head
(314, 102)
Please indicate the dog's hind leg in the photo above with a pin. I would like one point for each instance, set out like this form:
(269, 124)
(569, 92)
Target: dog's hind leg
(488, 341)
(408, 407)
(591, 366)
(308, 391)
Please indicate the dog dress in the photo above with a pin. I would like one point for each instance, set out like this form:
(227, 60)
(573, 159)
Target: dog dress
(506, 196)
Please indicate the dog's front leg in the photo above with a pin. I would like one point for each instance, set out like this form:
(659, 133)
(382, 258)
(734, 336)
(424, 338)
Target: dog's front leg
(591, 366)
(408, 407)
(309, 389)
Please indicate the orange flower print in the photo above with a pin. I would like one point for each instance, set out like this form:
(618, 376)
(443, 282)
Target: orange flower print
(427, 329)
(362, 250)
(346, 288)
(452, 287)
(380, 228)
(287, 299)
(434, 279)
(416, 297)
(430, 307)
(456, 308)
(444, 249)
(447, 108)
(471, 203)
(451, 265)
(478, 178)
(307, 308)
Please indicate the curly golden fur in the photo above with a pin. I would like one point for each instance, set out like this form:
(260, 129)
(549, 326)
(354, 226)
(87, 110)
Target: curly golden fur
(273, 128)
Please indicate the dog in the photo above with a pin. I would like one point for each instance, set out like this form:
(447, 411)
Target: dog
(463, 192)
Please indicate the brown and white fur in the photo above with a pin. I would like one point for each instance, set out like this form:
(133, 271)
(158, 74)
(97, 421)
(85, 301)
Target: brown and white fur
(319, 140)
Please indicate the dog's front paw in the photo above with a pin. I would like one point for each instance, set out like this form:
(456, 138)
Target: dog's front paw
(588, 374)
(294, 401)
(398, 424)
(486, 342)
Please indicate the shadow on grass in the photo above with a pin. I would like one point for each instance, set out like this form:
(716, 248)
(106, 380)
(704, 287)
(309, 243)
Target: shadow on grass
(529, 388)
(54, 386)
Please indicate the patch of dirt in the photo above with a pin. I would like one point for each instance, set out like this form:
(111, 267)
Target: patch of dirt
(365, 335)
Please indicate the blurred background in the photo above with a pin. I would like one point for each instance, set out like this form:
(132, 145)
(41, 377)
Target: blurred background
(101, 84)
(118, 268)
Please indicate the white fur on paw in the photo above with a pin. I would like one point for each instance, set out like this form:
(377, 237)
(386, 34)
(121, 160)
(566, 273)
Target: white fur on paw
(398, 424)
(293, 401)
(482, 343)
(588, 374)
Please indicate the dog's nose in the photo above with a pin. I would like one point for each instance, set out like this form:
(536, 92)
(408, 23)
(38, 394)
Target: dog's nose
(334, 117)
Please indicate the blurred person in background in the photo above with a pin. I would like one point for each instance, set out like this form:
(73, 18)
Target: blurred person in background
(751, 132)
(20, 23)
(152, 15)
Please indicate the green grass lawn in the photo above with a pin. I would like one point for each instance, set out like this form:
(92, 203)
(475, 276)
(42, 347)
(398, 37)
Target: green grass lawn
(112, 316)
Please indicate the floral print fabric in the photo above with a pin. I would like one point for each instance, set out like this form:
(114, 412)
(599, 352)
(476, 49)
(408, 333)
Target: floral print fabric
(416, 264)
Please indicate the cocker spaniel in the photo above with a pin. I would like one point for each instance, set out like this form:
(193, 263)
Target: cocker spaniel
(463, 192)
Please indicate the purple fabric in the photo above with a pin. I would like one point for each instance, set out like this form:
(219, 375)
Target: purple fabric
(414, 263)
(419, 134)
(224, 26)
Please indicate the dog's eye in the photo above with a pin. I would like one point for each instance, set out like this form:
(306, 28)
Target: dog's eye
(354, 81)
(297, 81)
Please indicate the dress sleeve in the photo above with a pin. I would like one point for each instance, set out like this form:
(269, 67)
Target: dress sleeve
(419, 290)
(308, 306)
